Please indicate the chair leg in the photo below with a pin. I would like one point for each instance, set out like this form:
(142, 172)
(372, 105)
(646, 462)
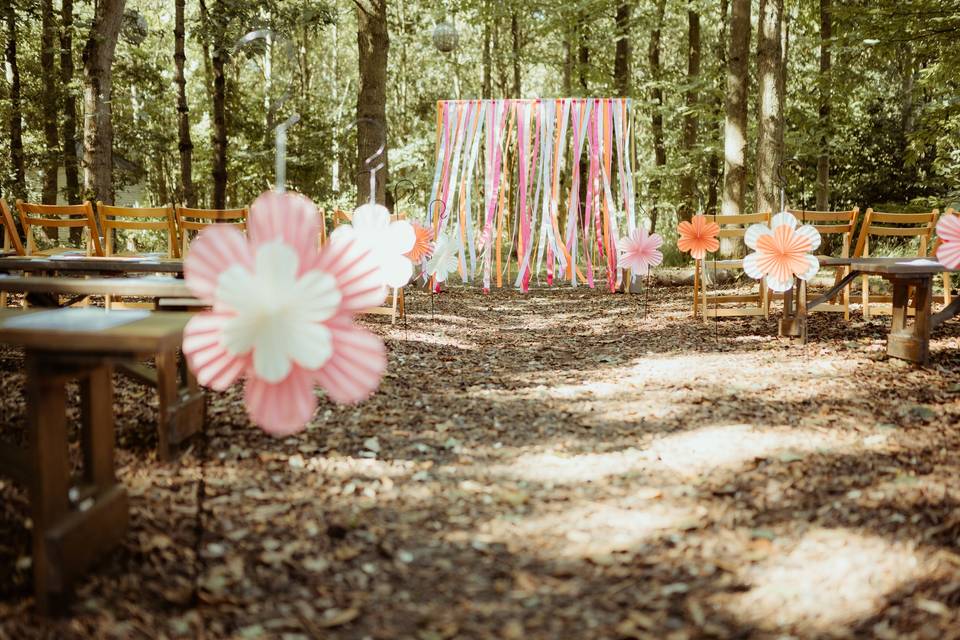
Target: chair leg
(696, 286)
(865, 294)
(947, 285)
(846, 296)
(3, 299)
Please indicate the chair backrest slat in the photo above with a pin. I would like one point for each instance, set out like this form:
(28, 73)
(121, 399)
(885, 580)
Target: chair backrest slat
(838, 223)
(52, 215)
(736, 226)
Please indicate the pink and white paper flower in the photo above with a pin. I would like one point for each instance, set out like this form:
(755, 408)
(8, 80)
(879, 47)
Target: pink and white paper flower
(444, 261)
(282, 313)
(781, 251)
(387, 240)
(948, 231)
(640, 251)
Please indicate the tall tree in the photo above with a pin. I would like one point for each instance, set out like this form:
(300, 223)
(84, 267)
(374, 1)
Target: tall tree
(49, 99)
(713, 168)
(517, 53)
(71, 162)
(97, 97)
(691, 121)
(17, 161)
(623, 54)
(373, 44)
(735, 123)
(769, 107)
(218, 63)
(487, 89)
(183, 110)
(656, 114)
(823, 159)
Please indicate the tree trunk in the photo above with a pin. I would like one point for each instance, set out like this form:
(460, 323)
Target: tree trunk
(714, 167)
(487, 89)
(769, 116)
(656, 122)
(71, 162)
(373, 43)
(183, 110)
(583, 55)
(97, 95)
(823, 160)
(49, 100)
(622, 76)
(517, 50)
(688, 181)
(17, 162)
(218, 62)
(735, 125)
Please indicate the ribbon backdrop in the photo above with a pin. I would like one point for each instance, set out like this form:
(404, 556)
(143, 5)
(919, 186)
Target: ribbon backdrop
(531, 200)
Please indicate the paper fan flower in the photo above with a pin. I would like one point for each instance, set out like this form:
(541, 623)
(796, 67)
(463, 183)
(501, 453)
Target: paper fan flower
(444, 259)
(698, 236)
(423, 245)
(282, 314)
(639, 251)
(948, 231)
(387, 240)
(781, 251)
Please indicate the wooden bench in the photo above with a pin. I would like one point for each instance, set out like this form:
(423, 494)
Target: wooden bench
(181, 400)
(77, 264)
(76, 520)
(912, 281)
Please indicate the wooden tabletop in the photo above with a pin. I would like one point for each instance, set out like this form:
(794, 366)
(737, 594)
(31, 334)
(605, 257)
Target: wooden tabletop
(86, 330)
(888, 266)
(156, 287)
(88, 264)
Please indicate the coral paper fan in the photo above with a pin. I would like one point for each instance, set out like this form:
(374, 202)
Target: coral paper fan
(948, 230)
(781, 251)
(698, 237)
(387, 240)
(282, 313)
(639, 251)
(423, 245)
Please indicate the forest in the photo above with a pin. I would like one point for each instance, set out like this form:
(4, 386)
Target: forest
(839, 102)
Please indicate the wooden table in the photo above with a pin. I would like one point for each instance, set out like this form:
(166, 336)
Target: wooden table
(75, 521)
(912, 280)
(156, 287)
(90, 264)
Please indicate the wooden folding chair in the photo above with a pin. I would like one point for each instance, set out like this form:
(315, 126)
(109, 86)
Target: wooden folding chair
(757, 304)
(902, 225)
(194, 220)
(113, 218)
(11, 239)
(395, 307)
(59, 216)
(159, 219)
(833, 223)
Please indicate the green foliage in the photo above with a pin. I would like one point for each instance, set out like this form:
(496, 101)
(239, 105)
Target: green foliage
(894, 135)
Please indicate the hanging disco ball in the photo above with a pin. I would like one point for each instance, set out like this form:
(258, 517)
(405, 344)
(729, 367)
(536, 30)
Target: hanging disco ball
(445, 37)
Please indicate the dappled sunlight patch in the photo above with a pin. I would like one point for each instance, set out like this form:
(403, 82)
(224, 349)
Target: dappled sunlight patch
(555, 467)
(433, 339)
(827, 580)
(349, 467)
(592, 530)
(718, 446)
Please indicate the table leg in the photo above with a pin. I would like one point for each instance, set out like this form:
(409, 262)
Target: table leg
(182, 404)
(910, 341)
(793, 324)
(72, 526)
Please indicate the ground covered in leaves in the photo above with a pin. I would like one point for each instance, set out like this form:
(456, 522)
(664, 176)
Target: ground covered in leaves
(562, 464)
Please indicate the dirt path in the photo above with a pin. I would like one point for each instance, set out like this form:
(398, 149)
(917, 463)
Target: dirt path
(553, 465)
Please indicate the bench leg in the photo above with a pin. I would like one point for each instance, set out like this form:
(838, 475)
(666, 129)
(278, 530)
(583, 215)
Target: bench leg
(793, 324)
(68, 537)
(182, 404)
(910, 341)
